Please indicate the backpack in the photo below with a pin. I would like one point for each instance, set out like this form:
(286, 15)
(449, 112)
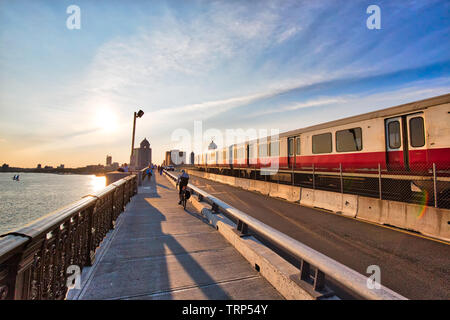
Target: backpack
(187, 194)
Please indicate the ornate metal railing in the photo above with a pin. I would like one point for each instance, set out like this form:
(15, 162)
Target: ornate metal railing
(34, 259)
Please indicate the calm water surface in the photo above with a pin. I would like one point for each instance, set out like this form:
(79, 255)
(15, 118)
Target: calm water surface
(37, 194)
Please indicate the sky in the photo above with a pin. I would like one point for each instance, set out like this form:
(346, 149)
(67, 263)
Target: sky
(67, 96)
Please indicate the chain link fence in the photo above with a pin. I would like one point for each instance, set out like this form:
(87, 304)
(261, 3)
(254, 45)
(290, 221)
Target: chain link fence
(420, 184)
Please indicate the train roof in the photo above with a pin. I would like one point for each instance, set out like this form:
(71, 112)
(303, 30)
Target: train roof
(383, 113)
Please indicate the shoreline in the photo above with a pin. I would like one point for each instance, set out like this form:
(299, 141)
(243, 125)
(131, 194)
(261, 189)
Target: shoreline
(98, 174)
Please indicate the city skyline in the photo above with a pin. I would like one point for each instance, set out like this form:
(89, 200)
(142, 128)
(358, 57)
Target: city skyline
(68, 96)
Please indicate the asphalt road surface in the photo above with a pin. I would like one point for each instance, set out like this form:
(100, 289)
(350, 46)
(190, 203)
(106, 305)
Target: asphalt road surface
(415, 267)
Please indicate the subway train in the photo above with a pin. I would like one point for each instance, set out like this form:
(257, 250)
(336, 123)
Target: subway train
(409, 140)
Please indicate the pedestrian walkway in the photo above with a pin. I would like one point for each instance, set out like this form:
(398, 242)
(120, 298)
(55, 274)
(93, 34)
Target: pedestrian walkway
(160, 251)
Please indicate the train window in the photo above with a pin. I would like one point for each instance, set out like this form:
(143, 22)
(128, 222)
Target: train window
(291, 147)
(321, 143)
(349, 140)
(416, 132)
(251, 150)
(297, 149)
(275, 148)
(394, 134)
(263, 149)
(241, 153)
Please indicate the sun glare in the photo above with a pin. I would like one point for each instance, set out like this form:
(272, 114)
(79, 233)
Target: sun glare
(106, 119)
(98, 183)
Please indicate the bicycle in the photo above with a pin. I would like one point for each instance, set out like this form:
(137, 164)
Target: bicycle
(183, 197)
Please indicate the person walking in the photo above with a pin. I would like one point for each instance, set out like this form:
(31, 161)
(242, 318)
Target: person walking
(149, 172)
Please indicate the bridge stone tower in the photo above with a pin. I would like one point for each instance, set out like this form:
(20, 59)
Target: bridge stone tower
(142, 156)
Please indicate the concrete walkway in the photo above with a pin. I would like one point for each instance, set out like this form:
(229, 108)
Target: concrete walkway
(160, 251)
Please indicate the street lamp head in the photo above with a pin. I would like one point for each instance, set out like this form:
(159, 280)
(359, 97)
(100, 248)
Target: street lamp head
(140, 113)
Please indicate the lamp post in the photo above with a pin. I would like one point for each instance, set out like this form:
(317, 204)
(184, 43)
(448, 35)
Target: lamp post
(138, 114)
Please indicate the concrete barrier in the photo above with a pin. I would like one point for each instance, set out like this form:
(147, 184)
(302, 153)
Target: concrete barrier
(289, 193)
(242, 183)
(229, 180)
(370, 209)
(328, 200)
(396, 214)
(262, 187)
(429, 221)
(349, 205)
(307, 197)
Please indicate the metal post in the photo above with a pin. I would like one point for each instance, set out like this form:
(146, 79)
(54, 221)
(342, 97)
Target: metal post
(132, 138)
(314, 181)
(434, 185)
(379, 181)
(342, 182)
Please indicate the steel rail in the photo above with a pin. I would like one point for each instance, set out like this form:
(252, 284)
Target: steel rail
(342, 274)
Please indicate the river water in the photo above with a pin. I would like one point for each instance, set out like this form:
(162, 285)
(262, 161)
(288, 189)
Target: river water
(37, 194)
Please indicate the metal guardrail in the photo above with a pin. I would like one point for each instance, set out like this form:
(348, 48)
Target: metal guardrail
(34, 259)
(323, 265)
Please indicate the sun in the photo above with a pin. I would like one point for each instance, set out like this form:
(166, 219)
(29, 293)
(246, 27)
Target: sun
(106, 119)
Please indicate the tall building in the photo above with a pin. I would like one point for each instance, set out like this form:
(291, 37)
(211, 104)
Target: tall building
(108, 160)
(142, 156)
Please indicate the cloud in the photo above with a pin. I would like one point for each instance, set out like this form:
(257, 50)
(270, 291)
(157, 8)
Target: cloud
(288, 33)
(300, 105)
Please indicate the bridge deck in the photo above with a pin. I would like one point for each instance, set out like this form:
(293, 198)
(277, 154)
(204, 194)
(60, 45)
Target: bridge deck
(160, 251)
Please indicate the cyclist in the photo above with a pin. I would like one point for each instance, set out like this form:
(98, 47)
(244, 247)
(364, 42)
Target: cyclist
(183, 180)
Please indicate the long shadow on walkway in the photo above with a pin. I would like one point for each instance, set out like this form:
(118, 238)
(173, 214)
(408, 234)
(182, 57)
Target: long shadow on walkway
(159, 251)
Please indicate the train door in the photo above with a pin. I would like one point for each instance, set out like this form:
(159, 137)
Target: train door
(230, 156)
(417, 153)
(405, 142)
(291, 152)
(247, 153)
(395, 155)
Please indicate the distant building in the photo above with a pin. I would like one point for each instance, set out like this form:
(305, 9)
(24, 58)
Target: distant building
(175, 157)
(167, 159)
(61, 166)
(39, 166)
(192, 157)
(108, 160)
(212, 146)
(142, 156)
(115, 165)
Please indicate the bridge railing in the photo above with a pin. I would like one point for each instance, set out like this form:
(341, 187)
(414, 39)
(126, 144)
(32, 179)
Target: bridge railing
(311, 259)
(34, 259)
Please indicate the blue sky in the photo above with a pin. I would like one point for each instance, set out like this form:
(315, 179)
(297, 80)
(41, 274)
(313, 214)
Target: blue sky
(67, 96)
